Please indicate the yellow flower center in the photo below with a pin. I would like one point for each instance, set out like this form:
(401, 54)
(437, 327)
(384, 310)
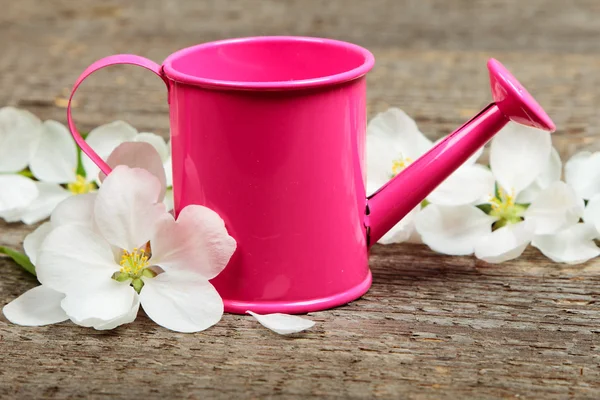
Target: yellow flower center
(399, 164)
(505, 209)
(133, 263)
(80, 186)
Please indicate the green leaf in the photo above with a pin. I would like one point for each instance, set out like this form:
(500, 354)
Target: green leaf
(19, 258)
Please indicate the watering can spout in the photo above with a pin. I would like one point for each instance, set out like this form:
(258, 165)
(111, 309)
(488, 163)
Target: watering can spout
(399, 196)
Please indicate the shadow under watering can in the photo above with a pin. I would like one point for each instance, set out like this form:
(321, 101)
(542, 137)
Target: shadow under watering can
(270, 133)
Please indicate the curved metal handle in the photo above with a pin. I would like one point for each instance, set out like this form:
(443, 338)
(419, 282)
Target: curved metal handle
(105, 62)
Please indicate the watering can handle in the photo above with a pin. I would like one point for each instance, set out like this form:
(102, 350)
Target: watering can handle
(105, 62)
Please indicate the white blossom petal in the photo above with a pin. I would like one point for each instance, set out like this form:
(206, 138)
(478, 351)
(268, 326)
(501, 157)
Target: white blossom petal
(283, 324)
(76, 210)
(504, 244)
(591, 214)
(556, 208)
(19, 135)
(198, 241)
(107, 305)
(168, 166)
(55, 159)
(36, 307)
(582, 172)
(391, 135)
(403, 231)
(104, 139)
(453, 230)
(158, 142)
(550, 174)
(49, 197)
(33, 242)
(127, 207)
(574, 245)
(518, 155)
(138, 155)
(74, 257)
(399, 131)
(181, 301)
(16, 192)
(470, 184)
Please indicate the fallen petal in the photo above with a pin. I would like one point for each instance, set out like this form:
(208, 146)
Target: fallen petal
(36, 307)
(283, 324)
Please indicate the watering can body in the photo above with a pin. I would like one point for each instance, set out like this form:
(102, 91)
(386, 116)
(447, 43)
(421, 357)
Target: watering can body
(271, 135)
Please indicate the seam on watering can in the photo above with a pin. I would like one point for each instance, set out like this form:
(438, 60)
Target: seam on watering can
(367, 224)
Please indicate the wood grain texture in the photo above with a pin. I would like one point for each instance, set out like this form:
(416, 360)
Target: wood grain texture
(431, 326)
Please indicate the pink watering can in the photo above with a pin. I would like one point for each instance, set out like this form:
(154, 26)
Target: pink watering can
(270, 133)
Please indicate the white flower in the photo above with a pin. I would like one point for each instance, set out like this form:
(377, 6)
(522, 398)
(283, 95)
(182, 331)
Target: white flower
(54, 163)
(103, 249)
(582, 171)
(524, 166)
(393, 143)
(19, 132)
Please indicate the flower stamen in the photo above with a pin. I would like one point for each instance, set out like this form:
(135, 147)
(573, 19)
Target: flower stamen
(133, 263)
(399, 164)
(80, 186)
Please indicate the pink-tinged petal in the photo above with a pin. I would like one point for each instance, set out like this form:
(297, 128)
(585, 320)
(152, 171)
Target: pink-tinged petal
(283, 324)
(128, 205)
(36, 307)
(574, 245)
(104, 139)
(49, 197)
(33, 242)
(107, 305)
(55, 159)
(453, 230)
(504, 244)
(158, 142)
(19, 136)
(76, 210)
(16, 193)
(73, 257)
(138, 155)
(181, 301)
(198, 241)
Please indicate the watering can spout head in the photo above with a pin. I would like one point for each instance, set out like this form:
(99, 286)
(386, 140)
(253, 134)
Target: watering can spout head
(387, 206)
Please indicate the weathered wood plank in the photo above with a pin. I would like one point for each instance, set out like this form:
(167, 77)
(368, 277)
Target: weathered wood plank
(432, 326)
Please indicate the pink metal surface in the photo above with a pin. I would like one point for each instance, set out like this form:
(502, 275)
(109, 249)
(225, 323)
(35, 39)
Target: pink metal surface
(270, 133)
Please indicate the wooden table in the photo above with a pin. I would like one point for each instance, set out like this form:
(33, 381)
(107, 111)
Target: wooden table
(431, 326)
